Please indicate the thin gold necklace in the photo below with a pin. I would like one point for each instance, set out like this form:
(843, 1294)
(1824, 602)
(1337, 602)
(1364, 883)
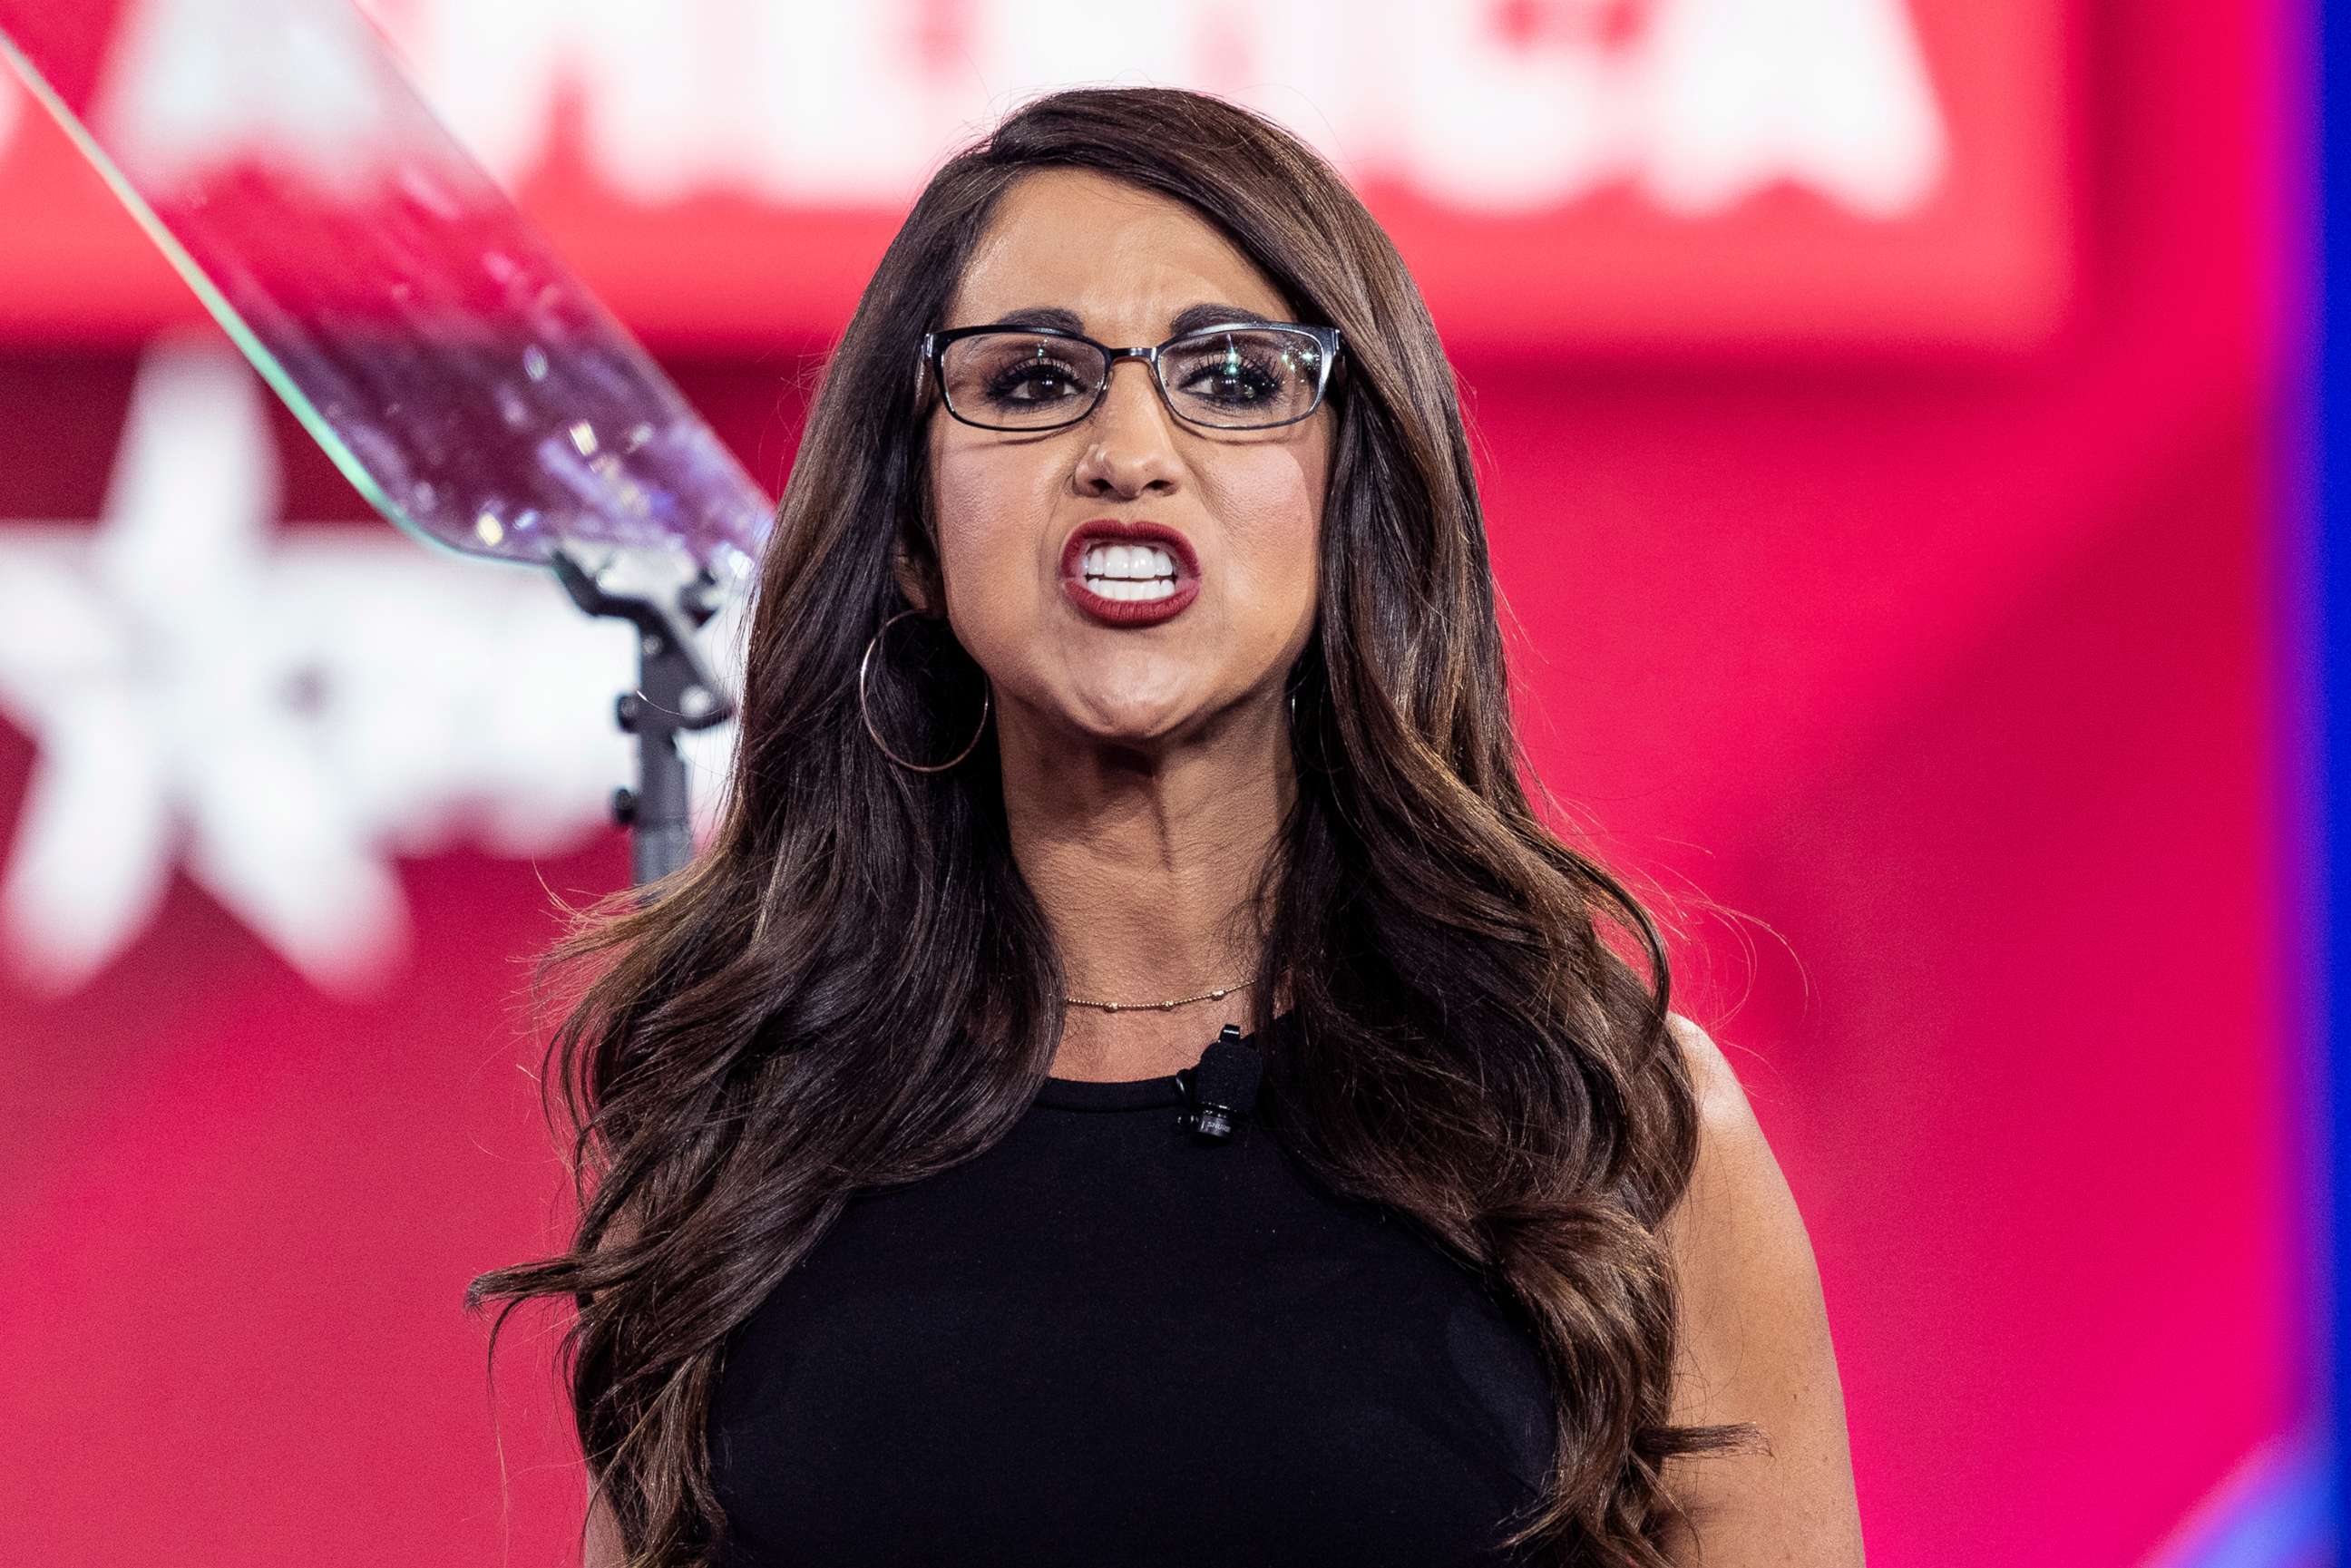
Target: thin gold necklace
(1219, 994)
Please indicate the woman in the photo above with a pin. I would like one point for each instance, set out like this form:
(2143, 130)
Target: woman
(1088, 717)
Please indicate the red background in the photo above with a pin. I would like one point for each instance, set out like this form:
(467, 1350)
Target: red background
(1955, 677)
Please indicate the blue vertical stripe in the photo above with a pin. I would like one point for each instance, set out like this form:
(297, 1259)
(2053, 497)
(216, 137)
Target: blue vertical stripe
(2324, 523)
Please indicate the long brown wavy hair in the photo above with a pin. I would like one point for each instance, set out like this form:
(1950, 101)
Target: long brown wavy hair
(1478, 1013)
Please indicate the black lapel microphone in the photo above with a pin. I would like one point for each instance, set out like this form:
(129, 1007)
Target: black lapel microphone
(1221, 1092)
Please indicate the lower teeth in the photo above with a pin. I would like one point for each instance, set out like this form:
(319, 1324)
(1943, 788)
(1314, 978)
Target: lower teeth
(1130, 587)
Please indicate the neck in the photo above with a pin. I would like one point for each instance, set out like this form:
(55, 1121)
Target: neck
(1144, 861)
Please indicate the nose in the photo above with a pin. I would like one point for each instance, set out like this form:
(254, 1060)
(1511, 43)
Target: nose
(1133, 449)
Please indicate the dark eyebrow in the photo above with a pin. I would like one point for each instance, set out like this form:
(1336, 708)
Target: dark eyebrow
(1051, 315)
(1191, 319)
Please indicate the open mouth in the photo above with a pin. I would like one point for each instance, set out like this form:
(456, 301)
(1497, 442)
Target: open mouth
(1129, 572)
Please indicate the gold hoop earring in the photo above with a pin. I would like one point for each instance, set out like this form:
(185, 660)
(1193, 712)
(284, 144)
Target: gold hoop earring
(865, 711)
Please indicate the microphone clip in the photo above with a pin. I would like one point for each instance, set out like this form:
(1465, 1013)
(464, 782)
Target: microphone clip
(1221, 1092)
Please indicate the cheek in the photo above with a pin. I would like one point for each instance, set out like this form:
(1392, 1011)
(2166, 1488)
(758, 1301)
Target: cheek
(1272, 515)
(984, 505)
(987, 501)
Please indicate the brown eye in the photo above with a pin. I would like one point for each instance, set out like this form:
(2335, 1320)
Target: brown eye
(1238, 379)
(1034, 380)
(1019, 375)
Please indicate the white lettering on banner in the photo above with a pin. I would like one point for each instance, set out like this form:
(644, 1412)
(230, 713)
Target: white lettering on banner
(1016, 45)
(1498, 125)
(1740, 91)
(636, 67)
(189, 79)
(853, 119)
(1699, 102)
(280, 715)
(1495, 107)
(1704, 103)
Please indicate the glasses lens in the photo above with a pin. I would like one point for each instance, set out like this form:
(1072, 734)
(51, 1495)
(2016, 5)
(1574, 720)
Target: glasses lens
(1245, 378)
(1019, 381)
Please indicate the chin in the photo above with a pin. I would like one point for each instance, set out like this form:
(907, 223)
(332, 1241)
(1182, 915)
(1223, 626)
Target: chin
(1132, 729)
(1127, 720)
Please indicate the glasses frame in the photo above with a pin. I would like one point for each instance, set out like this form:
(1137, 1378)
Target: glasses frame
(934, 345)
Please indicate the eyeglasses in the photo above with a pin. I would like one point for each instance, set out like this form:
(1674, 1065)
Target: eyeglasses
(1245, 376)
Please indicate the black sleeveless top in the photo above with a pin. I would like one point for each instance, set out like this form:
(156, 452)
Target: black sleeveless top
(1104, 1341)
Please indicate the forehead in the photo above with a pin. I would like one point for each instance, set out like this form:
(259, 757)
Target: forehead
(1127, 261)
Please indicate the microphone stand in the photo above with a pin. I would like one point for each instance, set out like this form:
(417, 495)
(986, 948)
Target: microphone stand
(666, 597)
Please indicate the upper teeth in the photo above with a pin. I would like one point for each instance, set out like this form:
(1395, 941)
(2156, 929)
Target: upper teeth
(1138, 563)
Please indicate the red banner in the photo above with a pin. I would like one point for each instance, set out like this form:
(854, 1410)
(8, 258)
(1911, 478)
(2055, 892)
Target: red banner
(1595, 172)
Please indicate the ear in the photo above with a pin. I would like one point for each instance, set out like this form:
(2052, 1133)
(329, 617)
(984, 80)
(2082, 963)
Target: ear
(913, 580)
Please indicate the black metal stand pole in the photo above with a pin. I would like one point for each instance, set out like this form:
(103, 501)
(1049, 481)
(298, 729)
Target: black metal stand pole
(665, 597)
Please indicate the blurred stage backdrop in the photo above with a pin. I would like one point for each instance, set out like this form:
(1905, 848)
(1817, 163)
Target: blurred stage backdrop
(1883, 412)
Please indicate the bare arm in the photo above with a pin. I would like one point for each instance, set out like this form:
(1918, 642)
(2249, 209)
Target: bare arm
(602, 1547)
(1754, 1347)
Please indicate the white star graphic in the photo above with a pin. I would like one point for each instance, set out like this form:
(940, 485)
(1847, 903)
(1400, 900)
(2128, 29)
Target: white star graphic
(279, 716)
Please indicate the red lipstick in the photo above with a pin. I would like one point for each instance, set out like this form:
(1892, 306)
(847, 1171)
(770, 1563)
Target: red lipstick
(1112, 611)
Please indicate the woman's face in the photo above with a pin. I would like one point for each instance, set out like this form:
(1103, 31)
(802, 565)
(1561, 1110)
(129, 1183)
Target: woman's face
(1248, 504)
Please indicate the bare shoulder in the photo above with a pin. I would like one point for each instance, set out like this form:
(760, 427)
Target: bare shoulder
(601, 1546)
(1754, 1346)
(1720, 1094)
